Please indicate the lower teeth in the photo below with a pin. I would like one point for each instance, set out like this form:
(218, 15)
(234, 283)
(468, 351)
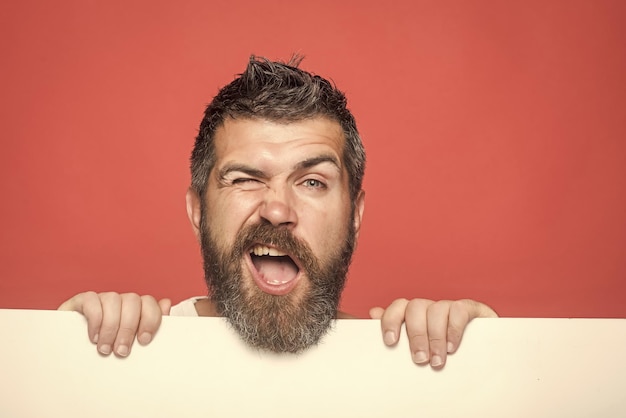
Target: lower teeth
(277, 282)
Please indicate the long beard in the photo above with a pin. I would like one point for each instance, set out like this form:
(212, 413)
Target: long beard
(287, 323)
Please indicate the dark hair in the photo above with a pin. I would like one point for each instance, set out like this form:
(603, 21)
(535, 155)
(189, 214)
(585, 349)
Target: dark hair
(278, 92)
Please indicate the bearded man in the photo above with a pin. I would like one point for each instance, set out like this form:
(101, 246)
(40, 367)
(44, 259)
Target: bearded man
(276, 202)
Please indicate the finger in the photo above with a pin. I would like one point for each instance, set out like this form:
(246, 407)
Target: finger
(87, 304)
(460, 315)
(438, 332)
(165, 305)
(391, 321)
(111, 312)
(151, 314)
(376, 312)
(130, 312)
(417, 329)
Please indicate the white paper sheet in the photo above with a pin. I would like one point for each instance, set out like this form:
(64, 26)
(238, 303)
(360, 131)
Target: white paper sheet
(199, 367)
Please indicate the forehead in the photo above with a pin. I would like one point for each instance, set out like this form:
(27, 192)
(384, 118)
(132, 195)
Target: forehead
(260, 139)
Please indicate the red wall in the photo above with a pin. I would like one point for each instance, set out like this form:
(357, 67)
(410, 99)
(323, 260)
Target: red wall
(496, 134)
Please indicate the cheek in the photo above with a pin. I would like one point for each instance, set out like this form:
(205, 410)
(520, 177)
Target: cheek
(331, 229)
(218, 222)
(227, 213)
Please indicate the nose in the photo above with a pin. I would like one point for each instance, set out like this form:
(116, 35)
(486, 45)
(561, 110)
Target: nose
(277, 208)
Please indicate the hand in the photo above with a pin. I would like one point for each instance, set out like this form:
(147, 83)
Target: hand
(113, 320)
(434, 328)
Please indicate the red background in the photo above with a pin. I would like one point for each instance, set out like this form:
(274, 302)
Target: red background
(495, 133)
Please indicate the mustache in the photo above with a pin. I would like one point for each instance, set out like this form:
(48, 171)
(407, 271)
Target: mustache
(279, 237)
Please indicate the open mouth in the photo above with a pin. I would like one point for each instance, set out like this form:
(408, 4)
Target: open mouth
(274, 271)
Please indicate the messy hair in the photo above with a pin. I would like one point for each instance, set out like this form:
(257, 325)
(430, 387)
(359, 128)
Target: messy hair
(278, 92)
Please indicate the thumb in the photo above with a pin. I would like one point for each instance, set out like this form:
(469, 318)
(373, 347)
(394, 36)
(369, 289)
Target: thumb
(165, 305)
(376, 312)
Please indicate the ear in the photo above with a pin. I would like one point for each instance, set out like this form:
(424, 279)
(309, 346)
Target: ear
(193, 210)
(359, 208)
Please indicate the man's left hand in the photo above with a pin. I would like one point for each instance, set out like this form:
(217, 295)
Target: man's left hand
(434, 328)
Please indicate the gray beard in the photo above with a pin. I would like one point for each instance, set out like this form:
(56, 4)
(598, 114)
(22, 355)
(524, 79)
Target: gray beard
(285, 323)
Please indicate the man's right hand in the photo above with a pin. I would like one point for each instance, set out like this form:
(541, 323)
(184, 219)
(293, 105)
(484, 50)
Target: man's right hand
(113, 319)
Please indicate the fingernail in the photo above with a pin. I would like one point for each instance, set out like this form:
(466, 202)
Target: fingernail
(105, 349)
(390, 337)
(436, 361)
(144, 338)
(95, 339)
(122, 350)
(420, 357)
(450, 347)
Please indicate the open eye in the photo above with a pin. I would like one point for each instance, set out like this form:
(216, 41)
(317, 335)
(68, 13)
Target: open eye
(314, 184)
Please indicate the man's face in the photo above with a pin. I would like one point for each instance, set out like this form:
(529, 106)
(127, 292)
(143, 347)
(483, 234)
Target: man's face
(277, 229)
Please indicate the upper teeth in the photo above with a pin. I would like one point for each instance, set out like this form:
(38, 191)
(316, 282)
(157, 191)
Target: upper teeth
(263, 250)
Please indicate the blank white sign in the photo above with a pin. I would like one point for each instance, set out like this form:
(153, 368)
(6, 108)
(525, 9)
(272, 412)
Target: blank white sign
(198, 367)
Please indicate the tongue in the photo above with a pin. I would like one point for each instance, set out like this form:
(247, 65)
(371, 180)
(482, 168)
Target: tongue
(275, 270)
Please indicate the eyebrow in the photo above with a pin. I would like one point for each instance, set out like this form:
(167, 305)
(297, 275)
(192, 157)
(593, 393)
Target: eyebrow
(255, 172)
(241, 168)
(312, 162)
